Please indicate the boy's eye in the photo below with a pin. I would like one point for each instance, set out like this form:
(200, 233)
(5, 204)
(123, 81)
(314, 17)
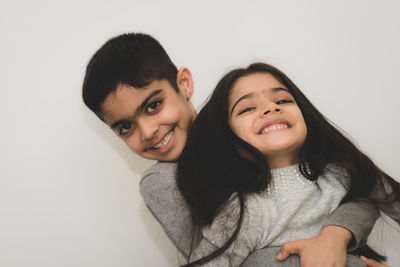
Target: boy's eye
(125, 129)
(153, 106)
(283, 101)
(246, 110)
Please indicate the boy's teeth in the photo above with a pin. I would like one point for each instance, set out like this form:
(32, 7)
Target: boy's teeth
(274, 127)
(164, 141)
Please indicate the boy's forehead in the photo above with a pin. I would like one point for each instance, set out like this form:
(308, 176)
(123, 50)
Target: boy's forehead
(123, 102)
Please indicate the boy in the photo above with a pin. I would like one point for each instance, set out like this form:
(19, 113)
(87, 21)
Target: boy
(132, 85)
(142, 96)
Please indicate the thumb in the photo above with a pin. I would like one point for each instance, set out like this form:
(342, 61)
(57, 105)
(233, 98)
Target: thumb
(293, 247)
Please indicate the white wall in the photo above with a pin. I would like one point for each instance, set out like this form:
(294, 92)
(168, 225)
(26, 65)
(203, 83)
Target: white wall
(69, 188)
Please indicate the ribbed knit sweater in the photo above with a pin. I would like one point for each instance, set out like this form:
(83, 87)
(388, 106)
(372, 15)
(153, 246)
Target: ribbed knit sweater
(160, 193)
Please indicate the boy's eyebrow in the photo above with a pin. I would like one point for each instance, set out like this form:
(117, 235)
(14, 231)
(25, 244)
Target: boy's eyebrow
(273, 90)
(117, 123)
(144, 103)
(141, 107)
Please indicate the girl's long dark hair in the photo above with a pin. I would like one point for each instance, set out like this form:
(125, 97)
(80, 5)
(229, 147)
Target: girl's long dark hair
(215, 163)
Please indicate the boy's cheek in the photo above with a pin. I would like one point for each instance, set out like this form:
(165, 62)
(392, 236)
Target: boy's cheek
(133, 144)
(171, 113)
(132, 147)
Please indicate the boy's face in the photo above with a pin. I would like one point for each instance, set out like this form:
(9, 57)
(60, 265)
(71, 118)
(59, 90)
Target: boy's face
(153, 120)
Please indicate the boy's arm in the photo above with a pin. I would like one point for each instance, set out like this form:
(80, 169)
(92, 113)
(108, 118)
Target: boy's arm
(266, 257)
(348, 228)
(162, 197)
(358, 217)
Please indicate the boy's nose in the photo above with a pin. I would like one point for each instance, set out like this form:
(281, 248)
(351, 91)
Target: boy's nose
(147, 130)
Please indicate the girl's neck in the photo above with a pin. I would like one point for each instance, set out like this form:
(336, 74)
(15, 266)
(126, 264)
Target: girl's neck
(281, 162)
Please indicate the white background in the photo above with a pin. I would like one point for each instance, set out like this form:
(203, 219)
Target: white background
(69, 187)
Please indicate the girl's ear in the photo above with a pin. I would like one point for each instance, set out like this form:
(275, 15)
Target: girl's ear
(185, 82)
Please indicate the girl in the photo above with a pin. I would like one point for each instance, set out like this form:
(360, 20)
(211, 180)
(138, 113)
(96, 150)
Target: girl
(262, 166)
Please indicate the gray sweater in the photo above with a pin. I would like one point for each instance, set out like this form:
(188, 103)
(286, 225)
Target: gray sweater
(160, 193)
(290, 208)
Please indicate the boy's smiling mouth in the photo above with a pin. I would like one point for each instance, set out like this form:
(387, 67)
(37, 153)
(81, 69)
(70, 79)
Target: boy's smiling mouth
(166, 143)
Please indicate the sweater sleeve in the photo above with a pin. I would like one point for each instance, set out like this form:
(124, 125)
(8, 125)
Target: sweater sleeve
(358, 217)
(162, 197)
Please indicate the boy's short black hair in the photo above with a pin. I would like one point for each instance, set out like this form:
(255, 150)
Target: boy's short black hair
(133, 59)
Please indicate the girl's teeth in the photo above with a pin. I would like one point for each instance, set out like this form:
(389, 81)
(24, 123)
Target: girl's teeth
(164, 141)
(274, 128)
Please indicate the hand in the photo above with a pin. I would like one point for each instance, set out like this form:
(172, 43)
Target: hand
(328, 249)
(372, 263)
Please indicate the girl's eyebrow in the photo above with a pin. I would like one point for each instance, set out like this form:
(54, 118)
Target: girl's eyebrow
(277, 89)
(250, 95)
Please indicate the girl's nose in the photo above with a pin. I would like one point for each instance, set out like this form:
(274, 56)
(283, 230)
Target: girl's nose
(271, 108)
(268, 111)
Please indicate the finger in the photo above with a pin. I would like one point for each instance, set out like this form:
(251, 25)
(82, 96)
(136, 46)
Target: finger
(288, 248)
(368, 262)
(371, 262)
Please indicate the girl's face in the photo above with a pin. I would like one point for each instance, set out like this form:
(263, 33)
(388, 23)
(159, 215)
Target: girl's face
(263, 113)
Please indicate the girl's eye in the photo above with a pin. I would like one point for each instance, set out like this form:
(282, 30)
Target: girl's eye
(246, 110)
(153, 106)
(283, 101)
(125, 129)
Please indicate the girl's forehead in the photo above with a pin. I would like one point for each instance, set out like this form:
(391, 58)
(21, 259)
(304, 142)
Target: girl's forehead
(255, 82)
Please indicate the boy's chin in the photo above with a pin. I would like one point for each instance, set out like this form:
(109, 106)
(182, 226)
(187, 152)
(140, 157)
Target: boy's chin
(168, 159)
(172, 156)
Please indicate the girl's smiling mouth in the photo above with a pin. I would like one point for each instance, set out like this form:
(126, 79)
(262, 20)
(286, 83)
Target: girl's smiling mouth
(274, 126)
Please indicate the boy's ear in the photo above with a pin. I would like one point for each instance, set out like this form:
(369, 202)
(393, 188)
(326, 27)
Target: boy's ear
(185, 82)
